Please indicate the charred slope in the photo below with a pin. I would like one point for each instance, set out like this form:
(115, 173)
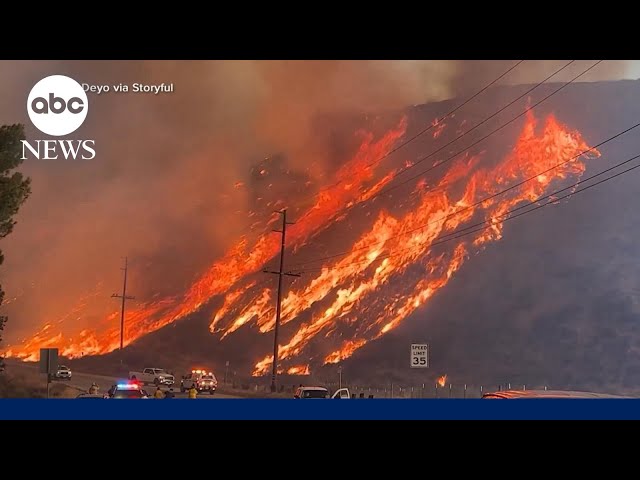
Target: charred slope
(554, 302)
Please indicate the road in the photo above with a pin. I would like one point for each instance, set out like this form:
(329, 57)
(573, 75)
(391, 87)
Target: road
(82, 381)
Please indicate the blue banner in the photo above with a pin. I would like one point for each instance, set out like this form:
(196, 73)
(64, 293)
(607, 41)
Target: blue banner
(290, 409)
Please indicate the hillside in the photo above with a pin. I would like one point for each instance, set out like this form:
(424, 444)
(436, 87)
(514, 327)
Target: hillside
(554, 302)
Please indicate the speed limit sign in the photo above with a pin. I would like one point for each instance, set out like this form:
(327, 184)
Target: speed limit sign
(419, 355)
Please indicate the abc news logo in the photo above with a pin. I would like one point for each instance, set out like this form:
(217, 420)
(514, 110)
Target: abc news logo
(41, 105)
(57, 106)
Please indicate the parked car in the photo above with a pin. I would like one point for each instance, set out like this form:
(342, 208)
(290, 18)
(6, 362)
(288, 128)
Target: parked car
(63, 373)
(157, 376)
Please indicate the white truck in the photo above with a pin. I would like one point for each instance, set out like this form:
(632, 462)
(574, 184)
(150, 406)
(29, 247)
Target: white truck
(320, 392)
(157, 376)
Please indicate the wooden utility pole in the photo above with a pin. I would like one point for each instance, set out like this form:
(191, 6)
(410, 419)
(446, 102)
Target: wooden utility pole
(124, 298)
(280, 273)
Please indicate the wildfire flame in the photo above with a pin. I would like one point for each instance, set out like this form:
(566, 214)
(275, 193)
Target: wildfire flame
(391, 269)
(442, 381)
(438, 128)
(345, 351)
(350, 186)
(299, 370)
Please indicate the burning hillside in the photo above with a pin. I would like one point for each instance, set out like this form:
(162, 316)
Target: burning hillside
(367, 260)
(392, 268)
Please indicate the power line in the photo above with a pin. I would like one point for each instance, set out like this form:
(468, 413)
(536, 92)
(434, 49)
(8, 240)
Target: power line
(124, 298)
(528, 109)
(280, 274)
(482, 201)
(485, 120)
(470, 229)
(384, 191)
(538, 207)
(550, 196)
(505, 217)
(438, 121)
(466, 132)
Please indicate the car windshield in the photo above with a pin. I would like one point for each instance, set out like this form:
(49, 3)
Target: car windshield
(62, 367)
(207, 377)
(128, 394)
(159, 370)
(315, 394)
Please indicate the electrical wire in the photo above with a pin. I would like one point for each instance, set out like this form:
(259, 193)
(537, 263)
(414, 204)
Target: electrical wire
(432, 125)
(528, 109)
(481, 201)
(468, 230)
(428, 170)
(348, 208)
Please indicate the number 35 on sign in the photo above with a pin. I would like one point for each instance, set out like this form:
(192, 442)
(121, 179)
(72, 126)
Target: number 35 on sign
(419, 355)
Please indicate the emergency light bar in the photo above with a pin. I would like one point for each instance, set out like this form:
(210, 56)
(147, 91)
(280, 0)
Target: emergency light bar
(127, 386)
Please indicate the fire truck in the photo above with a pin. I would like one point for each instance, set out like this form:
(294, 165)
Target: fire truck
(203, 380)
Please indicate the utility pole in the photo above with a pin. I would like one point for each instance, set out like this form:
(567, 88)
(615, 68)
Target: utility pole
(124, 298)
(280, 274)
(340, 377)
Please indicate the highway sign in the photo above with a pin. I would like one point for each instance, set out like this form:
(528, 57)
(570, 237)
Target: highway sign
(48, 360)
(419, 355)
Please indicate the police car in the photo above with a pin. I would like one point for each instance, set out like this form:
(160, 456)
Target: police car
(131, 390)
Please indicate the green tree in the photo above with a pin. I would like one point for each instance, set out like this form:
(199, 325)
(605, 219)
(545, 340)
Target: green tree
(14, 189)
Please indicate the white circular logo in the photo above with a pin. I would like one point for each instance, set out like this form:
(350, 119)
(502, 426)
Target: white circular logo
(57, 105)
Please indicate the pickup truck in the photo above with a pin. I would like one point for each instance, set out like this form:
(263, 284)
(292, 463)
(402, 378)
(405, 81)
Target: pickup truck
(320, 392)
(157, 376)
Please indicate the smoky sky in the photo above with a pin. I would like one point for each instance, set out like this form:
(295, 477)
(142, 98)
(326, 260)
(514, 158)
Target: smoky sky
(161, 187)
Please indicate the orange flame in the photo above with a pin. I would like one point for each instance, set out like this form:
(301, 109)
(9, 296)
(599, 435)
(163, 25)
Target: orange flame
(442, 381)
(299, 370)
(438, 128)
(344, 351)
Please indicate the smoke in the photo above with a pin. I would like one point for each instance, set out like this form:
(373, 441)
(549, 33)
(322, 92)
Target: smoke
(473, 73)
(161, 188)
